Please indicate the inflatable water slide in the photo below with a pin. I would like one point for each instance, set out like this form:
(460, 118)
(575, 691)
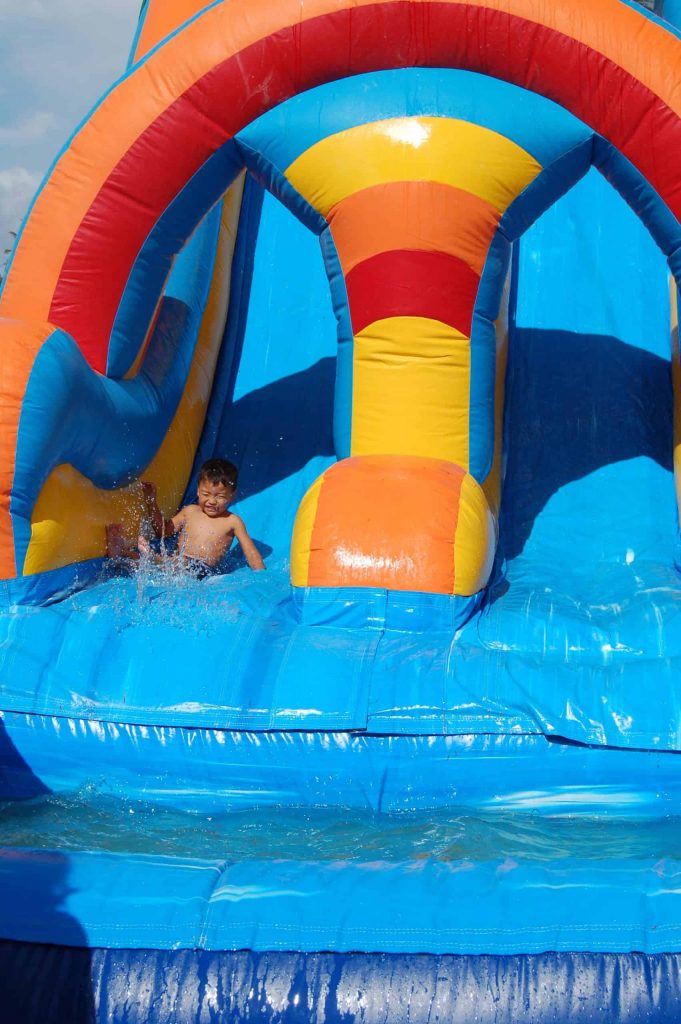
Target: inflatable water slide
(412, 266)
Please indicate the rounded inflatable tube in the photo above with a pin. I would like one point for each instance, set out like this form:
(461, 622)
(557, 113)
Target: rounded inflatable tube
(401, 523)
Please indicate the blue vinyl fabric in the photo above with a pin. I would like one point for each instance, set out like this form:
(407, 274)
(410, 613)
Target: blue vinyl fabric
(275, 417)
(154, 902)
(49, 983)
(259, 667)
(392, 610)
(47, 587)
(282, 134)
(252, 670)
(670, 11)
(213, 771)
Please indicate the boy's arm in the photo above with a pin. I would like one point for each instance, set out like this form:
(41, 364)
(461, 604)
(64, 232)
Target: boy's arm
(162, 527)
(249, 549)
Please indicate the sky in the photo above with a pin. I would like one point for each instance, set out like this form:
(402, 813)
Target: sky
(57, 57)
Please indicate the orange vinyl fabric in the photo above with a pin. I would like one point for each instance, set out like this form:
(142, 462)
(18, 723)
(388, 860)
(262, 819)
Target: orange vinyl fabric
(20, 345)
(423, 215)
(397, 522)
(162, 18)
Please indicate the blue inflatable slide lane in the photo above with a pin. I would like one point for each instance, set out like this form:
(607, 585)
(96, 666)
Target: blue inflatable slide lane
(412, 267)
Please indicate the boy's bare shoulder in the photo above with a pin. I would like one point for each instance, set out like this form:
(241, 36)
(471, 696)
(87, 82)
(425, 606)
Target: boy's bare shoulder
(185, 512)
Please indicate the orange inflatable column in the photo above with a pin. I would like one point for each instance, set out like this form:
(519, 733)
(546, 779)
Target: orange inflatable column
(401, 523)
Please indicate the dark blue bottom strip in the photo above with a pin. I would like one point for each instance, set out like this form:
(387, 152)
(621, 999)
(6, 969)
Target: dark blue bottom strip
(52, 985)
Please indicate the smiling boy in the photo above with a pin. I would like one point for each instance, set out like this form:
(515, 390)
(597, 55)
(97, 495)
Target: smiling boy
(205, 531)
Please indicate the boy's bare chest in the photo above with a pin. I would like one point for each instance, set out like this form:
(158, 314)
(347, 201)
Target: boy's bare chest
(197, 524)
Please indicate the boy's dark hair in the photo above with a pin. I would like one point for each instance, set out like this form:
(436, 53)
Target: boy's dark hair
(219, 471)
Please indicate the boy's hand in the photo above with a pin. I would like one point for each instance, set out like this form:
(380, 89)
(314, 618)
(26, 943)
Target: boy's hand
(162, 527)
(149, 492)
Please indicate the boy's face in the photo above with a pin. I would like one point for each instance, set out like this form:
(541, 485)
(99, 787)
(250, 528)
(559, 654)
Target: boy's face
(214, 498)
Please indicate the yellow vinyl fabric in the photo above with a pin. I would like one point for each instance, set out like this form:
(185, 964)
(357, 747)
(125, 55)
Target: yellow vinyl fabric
(457, 153)
(411, 380)
(301, 542)
(474, 541)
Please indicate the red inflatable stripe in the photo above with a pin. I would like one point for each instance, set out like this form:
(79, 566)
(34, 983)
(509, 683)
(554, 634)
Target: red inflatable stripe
(412, 283)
